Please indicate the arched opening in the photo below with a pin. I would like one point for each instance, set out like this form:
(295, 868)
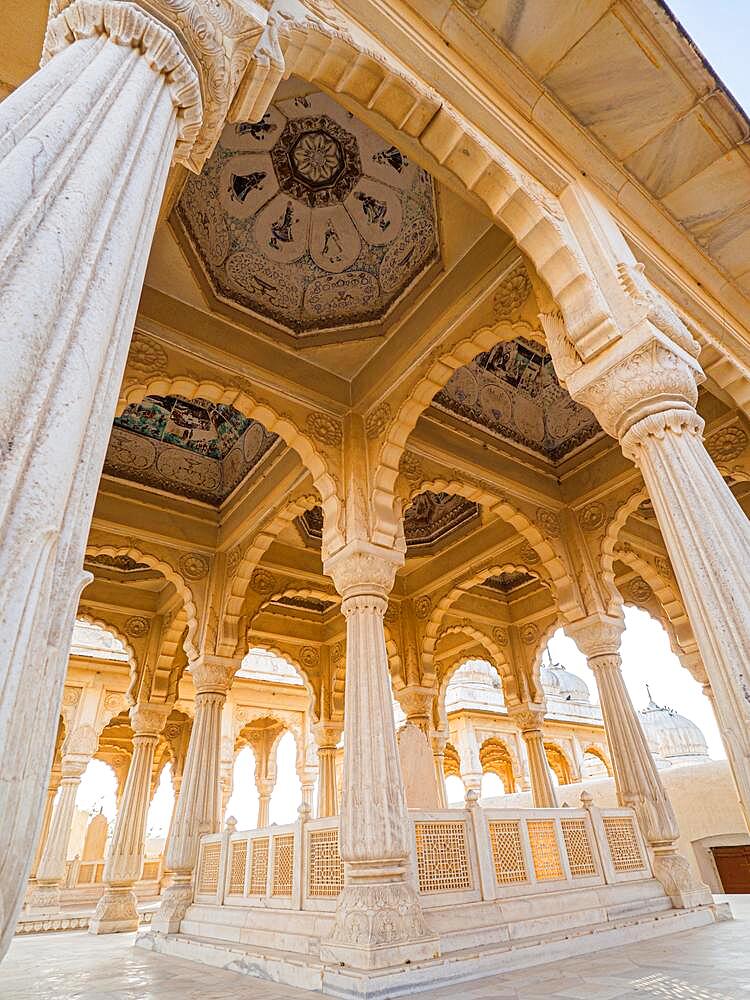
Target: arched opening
(559, 763)
(492, 786)
(96, 796)
(287, 792)
(160, 812)
(594, 764)
(496, 760)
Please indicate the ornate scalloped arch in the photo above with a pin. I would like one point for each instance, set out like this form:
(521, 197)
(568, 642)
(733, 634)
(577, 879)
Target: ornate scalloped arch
(452, 150)
(285, 719)
(503, 746)
(167, 571)
(495, 657)
(597, 752)
(567, 766)
(472, 578)
(239, 582)
(261, 410)
(290, 658)
(609, 544)
(84, 615)
(563, 584)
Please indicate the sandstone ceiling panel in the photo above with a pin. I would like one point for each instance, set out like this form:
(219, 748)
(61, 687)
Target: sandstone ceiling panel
(309, 219)
(193, 448)
(512, 391)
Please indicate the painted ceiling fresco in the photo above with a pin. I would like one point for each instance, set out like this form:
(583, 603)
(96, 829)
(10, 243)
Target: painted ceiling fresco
(310, 219)
(429, 518)
(194, 448)
(512, 391)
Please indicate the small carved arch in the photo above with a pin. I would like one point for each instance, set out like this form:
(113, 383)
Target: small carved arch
(311, 455)
(594, 751)
(292, 660)
(493, 656)
(558, 762)
(451, 762)
(85, 615)
(167, 571)
(240, 581)
(496, 757)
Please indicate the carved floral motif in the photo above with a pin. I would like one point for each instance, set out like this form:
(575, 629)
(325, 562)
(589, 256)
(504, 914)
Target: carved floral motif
(378, 419)
(511, 293)
(193, 566)
(262, 581)
(726, 444)
(422, 607)
(529, 633)
(593, 516)
(325, 429)
(137, 626)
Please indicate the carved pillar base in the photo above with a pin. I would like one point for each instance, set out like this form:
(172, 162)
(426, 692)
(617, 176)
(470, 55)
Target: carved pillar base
(378, 926)
(116, 912)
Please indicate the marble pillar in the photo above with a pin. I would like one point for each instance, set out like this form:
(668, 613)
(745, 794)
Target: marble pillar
(379, 919)
(117, 909)
(197, 807)
(530, 721)
(54, 784)
(707, 535)
(85, 147)
(327, 736)
(637, 780)
(469, 762)
(265, 788)
(51, 871)
(438, 741)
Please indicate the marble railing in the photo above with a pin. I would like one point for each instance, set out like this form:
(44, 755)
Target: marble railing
(82, 873)
(460, 855)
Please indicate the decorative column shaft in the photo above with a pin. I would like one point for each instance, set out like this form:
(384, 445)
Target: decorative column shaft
(46, 819)
(117, 908)
(85, 147)
(265, 788)
(530, 722)
(51, 871)
(197, 807)
(439, 740)
(379, 920)
(637, 780)
(707, 535)
(327, 736)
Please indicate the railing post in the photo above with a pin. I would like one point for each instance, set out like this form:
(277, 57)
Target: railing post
(229, 830)
(482, 846)
(601, 845)
(300, 855)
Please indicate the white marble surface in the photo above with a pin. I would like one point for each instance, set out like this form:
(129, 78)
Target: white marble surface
(712, 963)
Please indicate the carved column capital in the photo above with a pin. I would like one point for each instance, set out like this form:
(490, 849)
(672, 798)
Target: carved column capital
(361, 569)
(148, 719)
(217, 38)
(643, 375)
(327, 734)
(528, 718)
(416, 703)
(598, 636)
(214, 674)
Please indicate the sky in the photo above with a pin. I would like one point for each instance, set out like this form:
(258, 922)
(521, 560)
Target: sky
(720, 28)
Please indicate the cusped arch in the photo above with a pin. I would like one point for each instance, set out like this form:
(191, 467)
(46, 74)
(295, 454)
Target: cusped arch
(85, 615)
(247, 562)
(497, 757)
(454, 151)
(285, 719)
(559, 762)
(169, 573)
(311, 455)
(493, 656)
(294, 661)
(499, 506)
(596, 751)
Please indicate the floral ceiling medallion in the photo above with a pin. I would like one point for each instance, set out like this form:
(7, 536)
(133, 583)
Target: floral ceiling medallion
(309, 219)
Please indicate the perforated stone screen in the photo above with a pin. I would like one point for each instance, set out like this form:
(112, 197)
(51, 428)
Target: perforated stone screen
(442, 857)
(258, 867)
(623, 844)
(578, 848)
(325, 869)
(283, 865)
(544, 850)
(507, 852)
(208, 876)
(237, 862)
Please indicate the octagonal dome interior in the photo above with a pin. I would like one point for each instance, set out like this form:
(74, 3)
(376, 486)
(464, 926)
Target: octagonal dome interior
(309, 219)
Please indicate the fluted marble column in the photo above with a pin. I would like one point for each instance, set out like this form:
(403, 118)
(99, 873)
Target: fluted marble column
(327, 736)
(54, 784)
(468, 753)
(117, 909)
(265, 788)
(707, 535)
(197, 807)
(438, 741)
(85, 147)
(637, 780)
(51, 871)
(379, 920)
(531, 722)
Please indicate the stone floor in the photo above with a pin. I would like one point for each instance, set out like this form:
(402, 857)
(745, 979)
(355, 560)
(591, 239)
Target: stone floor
(712, 963)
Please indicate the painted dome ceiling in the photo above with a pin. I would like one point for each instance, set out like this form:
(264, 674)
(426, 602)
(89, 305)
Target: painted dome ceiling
(309, 219)
(512, 391)
(194, 448)
(430, 518)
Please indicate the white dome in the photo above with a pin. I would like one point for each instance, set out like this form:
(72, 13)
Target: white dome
(671, 736)
(477, 672)
(562, 684)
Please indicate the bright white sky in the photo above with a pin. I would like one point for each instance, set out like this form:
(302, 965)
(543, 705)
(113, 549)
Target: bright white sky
(721, 29)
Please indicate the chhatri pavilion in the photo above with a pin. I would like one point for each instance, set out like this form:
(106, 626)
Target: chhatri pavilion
(347, 352)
